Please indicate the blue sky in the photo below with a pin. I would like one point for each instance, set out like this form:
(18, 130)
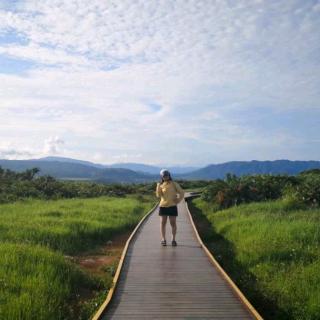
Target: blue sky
(160, 82)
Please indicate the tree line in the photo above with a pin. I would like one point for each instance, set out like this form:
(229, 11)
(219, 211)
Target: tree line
(29, 184)
(300, 190)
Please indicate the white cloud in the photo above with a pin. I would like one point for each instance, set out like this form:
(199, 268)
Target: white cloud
(15, 154)
(9, 151)
(125, 157)
(42, 55)
(98, 65)
(52, 145)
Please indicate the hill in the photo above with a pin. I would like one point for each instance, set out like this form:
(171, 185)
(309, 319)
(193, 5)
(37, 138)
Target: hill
(67, 168)
(239, 168)
(74, 170)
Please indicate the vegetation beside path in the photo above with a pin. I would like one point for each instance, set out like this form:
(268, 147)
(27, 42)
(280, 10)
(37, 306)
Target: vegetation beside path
(271, 250)
(39, 238)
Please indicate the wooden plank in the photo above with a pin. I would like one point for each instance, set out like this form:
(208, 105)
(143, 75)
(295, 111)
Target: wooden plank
(180, 282)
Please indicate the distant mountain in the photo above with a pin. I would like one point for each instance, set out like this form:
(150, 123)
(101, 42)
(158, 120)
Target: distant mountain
(121, 175)
(152, 169)
(139, 167)
(239, 168)
(63, 159)
(72, 170)
(66, 168)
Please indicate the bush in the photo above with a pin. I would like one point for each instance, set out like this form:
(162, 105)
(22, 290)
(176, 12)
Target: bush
(291, 200)
(307, 191)
(16, 186)
(235, 190)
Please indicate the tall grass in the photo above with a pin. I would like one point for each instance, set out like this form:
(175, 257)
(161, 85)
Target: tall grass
(37, 283)
(272, 252)
(36, 280)
(69, 225)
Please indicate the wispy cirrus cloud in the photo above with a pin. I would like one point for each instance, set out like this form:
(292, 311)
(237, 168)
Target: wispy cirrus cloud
(175, 82)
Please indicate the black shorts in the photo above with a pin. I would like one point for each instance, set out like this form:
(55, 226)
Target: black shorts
(168, 211)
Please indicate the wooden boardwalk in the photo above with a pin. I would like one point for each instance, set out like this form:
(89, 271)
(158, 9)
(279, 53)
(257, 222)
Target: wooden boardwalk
(180, 282)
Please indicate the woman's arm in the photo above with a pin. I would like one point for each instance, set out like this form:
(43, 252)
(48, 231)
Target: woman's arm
(158, 190)
(180, 191)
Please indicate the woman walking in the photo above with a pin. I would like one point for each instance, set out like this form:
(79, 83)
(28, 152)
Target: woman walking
(167, 190)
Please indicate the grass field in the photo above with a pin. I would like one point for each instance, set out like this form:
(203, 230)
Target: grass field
(271, 251)
(36, 279)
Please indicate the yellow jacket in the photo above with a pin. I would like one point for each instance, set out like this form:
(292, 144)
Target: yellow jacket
(168, 191)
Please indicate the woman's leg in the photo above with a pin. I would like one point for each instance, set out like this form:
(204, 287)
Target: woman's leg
(163, 222)
(173, 222)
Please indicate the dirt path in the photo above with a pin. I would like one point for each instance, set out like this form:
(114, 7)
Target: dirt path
(107, 256)
(101, 262)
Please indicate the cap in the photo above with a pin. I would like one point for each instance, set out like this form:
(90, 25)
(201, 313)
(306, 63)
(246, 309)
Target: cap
(164, 172)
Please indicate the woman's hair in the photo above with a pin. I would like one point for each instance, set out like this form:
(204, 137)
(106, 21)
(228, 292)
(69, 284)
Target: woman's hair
(162, 180)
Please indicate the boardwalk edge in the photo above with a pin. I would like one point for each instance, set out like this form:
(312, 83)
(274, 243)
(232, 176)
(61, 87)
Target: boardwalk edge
(104, 305)
(238, 292)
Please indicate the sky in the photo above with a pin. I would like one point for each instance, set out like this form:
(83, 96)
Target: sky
(160, 82)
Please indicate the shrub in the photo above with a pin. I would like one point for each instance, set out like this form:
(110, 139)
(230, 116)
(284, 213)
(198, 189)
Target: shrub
(307, 191)
(235, 190)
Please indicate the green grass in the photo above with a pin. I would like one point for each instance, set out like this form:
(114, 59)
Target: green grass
(36, 279)
(37, 283)
(271, 251)
(69, 225)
